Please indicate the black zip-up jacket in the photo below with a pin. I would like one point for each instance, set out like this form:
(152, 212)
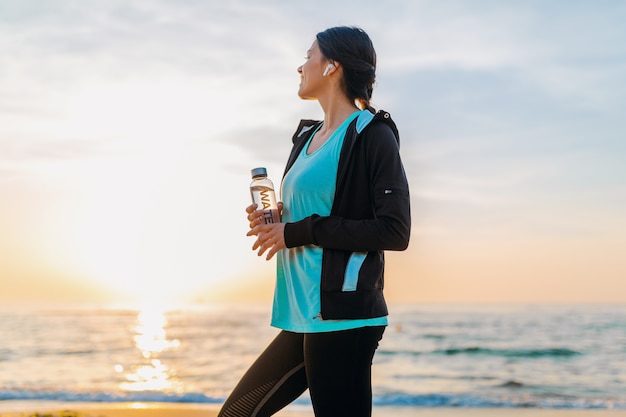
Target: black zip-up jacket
(370, 213)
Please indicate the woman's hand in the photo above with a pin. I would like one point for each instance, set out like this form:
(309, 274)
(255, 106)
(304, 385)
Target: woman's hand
(270, 237)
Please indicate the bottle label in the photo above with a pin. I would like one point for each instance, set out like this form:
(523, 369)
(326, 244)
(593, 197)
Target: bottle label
(265, 199)
(271, 216)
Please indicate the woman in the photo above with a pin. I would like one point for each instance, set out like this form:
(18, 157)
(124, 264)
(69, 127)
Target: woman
(345, 201)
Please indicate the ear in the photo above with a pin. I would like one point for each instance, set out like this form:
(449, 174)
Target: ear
(327, 69)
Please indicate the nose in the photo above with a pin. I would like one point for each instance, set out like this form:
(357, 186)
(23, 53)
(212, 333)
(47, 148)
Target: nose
(300, 69)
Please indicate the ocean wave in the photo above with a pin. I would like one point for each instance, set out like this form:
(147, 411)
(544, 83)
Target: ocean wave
(110, 397)
(511, 383)
(387, 399)
(521, 353)
(472, 401)
(475, 350)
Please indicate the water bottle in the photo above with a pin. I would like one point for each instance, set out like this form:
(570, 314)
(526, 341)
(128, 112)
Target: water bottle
(262, 191)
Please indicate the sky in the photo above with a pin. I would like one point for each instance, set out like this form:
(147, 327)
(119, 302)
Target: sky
(128, 131)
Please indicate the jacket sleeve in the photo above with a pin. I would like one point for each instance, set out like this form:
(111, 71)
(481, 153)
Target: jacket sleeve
(389, 226)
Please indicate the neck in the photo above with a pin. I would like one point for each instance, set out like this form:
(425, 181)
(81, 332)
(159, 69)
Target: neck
(336, 110)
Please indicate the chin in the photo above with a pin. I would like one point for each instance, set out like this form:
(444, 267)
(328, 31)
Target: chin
(304, 96)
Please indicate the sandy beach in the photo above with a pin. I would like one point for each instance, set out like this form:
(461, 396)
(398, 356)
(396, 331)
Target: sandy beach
(196, 410)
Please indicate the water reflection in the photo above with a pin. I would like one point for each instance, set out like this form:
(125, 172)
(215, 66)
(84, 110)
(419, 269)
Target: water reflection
(151, 341)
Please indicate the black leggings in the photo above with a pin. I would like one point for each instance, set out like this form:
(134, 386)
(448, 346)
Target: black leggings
(334, 366)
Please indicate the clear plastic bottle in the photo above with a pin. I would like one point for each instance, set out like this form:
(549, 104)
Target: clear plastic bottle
(262, 191)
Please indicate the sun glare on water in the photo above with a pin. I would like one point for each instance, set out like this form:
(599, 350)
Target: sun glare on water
(151, 373)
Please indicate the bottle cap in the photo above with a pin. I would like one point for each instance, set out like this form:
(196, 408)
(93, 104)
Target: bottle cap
(259, 172)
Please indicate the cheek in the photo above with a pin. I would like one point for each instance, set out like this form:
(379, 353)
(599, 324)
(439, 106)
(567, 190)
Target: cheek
(312, 67)
(313, 73)
(306, 69)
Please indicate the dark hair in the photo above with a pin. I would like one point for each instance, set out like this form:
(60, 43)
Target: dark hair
(353, 49)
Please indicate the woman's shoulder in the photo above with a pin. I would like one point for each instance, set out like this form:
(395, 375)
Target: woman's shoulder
(379, 124)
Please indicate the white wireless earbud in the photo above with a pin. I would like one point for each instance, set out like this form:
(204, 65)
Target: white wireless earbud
(328, 68)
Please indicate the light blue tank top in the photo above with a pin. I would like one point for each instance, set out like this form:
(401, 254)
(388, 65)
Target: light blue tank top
(309, 188)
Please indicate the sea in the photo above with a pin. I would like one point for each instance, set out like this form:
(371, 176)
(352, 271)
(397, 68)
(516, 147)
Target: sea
(538, 356)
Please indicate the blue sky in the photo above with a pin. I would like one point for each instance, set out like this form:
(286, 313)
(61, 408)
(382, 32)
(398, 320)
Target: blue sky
(127, 132)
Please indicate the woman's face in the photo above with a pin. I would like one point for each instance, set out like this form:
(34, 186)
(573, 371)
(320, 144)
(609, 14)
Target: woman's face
(311, 79)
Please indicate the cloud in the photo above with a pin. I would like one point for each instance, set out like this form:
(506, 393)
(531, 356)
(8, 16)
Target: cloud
(76, 43)
(270, 143)
(571, 51)
(509, 112)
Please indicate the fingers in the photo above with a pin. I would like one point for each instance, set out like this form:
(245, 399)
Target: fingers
(265, 240)
(255, 214)
(256, 243)
(262, 243)
(269, 239)
(257, 225)
(255, 217)
(251, 208)
(261, 231)
(281, 206)
(273, 251)
(276, 246)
